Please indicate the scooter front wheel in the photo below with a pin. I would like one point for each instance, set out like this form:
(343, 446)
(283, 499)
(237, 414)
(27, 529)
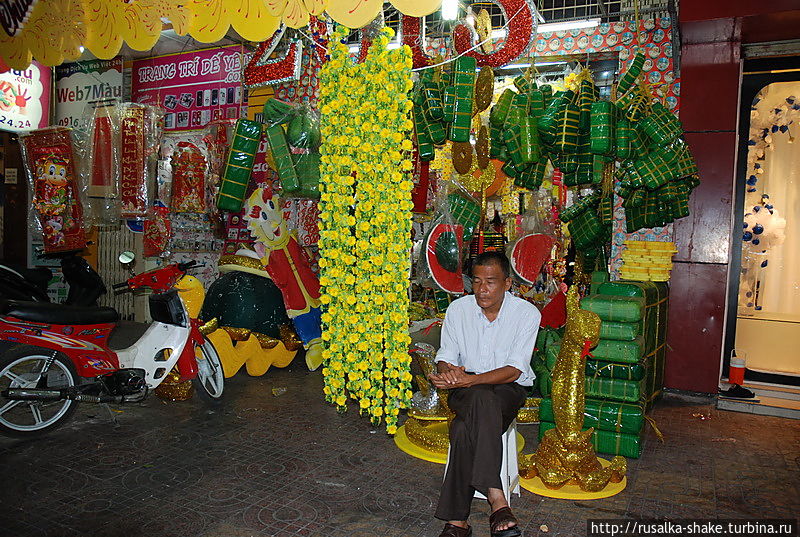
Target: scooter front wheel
(210, 380)
(22, 367)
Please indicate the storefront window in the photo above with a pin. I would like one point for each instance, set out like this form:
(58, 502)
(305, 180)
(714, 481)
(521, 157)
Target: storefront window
(769, 291)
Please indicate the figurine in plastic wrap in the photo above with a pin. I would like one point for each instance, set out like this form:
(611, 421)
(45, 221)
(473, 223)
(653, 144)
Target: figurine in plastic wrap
(288, 266)
(566, 454)
(56, 201)
(246, 317)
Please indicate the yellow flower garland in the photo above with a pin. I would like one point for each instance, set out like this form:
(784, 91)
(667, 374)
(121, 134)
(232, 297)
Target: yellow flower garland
(365, 227)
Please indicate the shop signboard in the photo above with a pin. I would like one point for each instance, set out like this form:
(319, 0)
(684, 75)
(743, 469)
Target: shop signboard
(193, 88)
(25, 98)
(79, 84)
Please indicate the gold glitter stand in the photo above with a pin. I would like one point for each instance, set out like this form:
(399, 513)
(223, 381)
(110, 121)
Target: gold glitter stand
(573, 492)
(438, 432)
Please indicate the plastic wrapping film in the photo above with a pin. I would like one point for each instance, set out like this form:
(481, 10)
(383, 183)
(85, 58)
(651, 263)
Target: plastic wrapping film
(189, 169)
(609, 442)
(597, 368)
(236, 176)
(655, 296)
(295, 151)
(57, 208)
(445, 244)
(619, 330)
(277, 112)
(464, 84)
(140, 135)
(661, 125)
(101, 164)
(602, 128)
(620, 351)
(157, 232)
(605, 388)
(614, 308)
(605, 415)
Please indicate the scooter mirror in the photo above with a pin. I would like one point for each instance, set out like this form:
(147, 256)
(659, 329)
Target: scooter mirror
(127, 257)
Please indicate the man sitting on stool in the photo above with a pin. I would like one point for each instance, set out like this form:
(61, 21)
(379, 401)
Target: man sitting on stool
(485, 361)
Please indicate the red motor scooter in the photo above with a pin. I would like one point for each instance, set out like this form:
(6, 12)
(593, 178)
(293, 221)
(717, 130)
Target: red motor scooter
(56, 356)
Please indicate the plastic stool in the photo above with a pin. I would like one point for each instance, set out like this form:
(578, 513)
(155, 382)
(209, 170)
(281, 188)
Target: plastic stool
(509, 468)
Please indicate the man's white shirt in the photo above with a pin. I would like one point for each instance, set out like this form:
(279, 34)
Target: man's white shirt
(470, 340)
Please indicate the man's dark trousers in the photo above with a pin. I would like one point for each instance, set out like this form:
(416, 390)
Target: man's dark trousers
(483, 413)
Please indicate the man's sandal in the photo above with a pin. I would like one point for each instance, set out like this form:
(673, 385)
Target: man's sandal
(451, 530)
(502, 517)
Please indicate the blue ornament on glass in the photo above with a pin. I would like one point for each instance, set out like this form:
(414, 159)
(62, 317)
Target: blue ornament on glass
(758, 229)
(751, 142)
(744, 225)
(756, 208)
(758, 308)
(789, 100)
(752, 180)
(765, 196)
(783, 128)
(747, 237)
(749, 304)
(768, 206)
(778, 110)
(750, 190)
(764, 263)
(756, 242)
(757, 166)
(774, 128)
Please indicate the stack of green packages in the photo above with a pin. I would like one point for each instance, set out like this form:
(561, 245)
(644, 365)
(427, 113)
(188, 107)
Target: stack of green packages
(236, 176)
(625, 372)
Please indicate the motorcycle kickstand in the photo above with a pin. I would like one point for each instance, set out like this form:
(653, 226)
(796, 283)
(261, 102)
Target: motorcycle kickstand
(111, 414)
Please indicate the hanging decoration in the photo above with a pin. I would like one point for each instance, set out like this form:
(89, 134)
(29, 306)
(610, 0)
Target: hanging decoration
(211, 19)
(521, 30)
(109, 23)
(365, 227)
(263, 71)
(58, 211)
(296, 13)
(188, 179)
(411, 32)
(763, 227)
(359, 13)
(53, 33)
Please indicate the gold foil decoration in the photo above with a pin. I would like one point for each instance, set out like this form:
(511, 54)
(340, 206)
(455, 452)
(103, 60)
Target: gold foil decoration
(209, 327)
(462, 157)
(430, 435)
(237, 334)
(484, 89)
(265, 341)
(529, 413)
(482, 147)
(171, 389)
(241, 261)
(565, 454)
(289, 337)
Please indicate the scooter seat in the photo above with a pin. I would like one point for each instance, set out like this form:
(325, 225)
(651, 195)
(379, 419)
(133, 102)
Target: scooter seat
(45, 312)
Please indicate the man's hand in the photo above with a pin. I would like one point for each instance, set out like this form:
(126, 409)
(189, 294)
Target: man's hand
(450, 376)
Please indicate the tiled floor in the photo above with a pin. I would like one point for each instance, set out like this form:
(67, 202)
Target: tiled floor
(290, 465)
